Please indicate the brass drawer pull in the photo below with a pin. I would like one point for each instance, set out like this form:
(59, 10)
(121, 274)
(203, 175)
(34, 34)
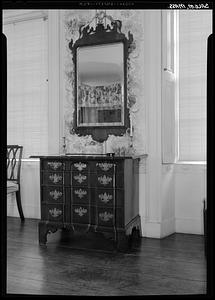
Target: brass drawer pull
(81, 193)
(104, 179)
(55, 178)
(54, 165)
(55, 212)
(80, 166)
(80, 178)
(105, 216)
(105, 197)
(81, 211)
(104, 166)
(55, 194)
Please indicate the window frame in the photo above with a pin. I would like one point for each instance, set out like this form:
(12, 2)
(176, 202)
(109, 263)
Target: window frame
(171, 140)
(177, 101)
(55, 110)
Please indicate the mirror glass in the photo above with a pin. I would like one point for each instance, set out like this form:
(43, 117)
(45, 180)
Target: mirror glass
(100, 85)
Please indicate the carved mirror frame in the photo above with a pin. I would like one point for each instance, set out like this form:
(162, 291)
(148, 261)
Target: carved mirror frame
(88, 36)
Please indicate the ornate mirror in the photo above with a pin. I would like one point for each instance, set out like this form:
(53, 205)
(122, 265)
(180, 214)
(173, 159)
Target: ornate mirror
(100, 59)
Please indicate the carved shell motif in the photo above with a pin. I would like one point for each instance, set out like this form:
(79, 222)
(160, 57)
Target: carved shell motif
(104, 166)
(54, 165)
(55, 178)
(55, 194)
(105, 216)
(105, 197)
(81, 211)
(55, 212)
(80, 178)
(80, 166)
(104, 179)
(81, 193)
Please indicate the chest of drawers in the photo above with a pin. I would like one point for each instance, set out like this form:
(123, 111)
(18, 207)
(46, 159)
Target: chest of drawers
(95, 193)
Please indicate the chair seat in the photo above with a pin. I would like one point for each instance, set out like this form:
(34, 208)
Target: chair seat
(12, 186)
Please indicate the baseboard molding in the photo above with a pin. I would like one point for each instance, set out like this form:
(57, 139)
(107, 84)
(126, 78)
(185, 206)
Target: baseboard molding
(170, 226)
(192, 226)
(151, 229)
(167, 227)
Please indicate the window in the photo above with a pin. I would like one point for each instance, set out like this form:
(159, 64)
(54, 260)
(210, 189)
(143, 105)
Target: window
(194, 27)
(27, 86)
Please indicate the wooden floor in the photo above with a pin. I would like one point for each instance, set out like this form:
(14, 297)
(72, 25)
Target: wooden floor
(88, 265)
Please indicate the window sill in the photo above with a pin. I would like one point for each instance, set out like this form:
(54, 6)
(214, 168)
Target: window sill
(30, 159)
(190, 162)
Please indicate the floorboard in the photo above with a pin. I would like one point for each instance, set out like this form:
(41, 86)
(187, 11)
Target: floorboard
(87, 264)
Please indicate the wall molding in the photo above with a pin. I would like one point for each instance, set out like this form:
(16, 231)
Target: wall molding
(190, 168)
(167, 227)
(20, 15)
(152, 94)
(189, 225)
(157, 229)
(54, 82)
(151, 229)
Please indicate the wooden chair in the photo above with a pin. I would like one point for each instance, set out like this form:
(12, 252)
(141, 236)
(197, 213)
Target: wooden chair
(14, 156)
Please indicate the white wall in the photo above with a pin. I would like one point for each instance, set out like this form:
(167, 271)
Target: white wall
(30, 191)
(168, 200)
(190, 190)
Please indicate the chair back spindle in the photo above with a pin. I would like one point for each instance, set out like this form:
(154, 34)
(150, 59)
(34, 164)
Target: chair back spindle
(14, 156)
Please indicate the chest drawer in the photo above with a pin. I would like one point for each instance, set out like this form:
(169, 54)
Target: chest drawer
(79, 166)
(104, 180)
(55, 212)
(104, 166)
(81, 214)
(105, 197)
(52, 178)
(107, 166)
(79, 179)
(105, 216)
(53, 165)
(109, 217)
(80, 195)
(53, 194)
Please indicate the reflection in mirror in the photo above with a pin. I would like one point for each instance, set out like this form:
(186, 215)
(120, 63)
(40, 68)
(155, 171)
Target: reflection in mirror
(100, 85)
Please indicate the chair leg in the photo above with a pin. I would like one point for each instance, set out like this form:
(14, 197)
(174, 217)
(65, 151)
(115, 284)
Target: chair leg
(19, 205)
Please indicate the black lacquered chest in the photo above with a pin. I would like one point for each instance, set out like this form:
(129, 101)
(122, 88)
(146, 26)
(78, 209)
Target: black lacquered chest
(95, 193)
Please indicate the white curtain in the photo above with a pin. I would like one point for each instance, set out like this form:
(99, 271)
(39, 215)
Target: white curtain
(194, 29)
(27, 85)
